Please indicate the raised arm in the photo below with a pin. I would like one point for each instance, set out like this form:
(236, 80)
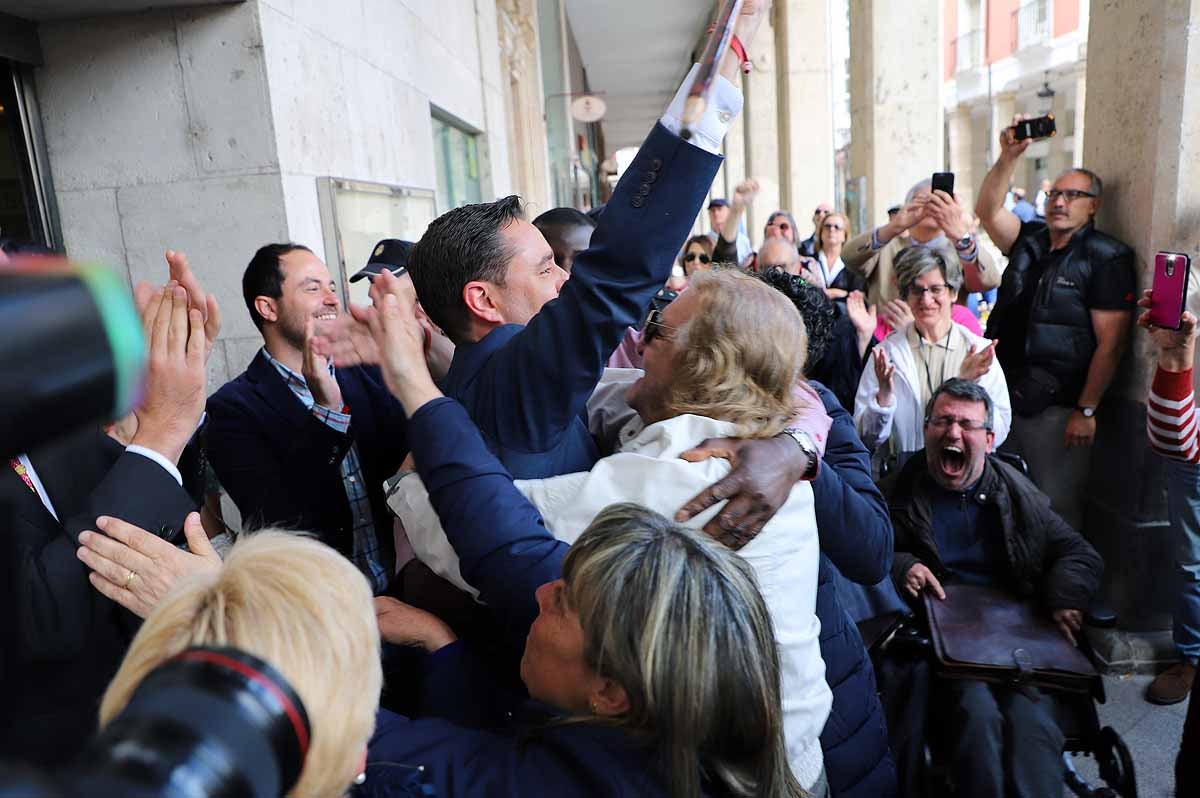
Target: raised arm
(1001, 224)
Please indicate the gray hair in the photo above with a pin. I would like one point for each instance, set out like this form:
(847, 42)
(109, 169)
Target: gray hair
(968, 391)
(1097, 186)
(924, 185)
(677, 620)
(917, 260)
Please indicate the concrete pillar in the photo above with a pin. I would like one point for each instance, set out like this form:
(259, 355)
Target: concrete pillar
(1004, 108)
(1143, 139)
(805, 88)
(761, 127)
(962, 155)
(895, 97)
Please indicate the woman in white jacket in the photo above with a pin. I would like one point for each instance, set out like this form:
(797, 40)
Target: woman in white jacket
(722, 360)
(910, 364)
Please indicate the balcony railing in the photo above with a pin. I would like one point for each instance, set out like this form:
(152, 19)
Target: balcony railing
(968, 51)
(1032, 24)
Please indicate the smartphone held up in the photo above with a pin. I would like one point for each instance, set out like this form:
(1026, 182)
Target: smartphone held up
(1172, 273)
(1040, 127)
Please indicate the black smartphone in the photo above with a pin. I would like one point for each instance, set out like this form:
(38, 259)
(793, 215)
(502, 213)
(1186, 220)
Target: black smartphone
(1038, 128)
(942, 181)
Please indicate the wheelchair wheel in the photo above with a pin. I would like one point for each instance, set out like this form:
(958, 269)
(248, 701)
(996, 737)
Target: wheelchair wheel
(1116, 763)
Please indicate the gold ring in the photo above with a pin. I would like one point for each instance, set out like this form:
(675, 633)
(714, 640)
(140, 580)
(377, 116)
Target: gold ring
(129, 579)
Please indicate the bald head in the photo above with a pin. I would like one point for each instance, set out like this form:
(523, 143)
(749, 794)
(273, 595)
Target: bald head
(779, 253)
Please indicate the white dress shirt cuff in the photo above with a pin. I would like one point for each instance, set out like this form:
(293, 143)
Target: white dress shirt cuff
(167, 465)
(724, 104)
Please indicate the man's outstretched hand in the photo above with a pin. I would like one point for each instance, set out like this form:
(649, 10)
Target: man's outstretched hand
(764, 473)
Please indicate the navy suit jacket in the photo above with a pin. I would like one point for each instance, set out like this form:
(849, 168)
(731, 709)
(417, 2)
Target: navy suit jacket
(468, 748)
(282, 465)
(67, 639)
(527, 388)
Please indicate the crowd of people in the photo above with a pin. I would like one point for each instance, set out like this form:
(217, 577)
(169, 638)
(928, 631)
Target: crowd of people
(588, 504)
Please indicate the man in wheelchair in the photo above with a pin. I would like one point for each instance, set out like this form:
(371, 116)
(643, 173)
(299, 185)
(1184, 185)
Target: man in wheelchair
(962, 516)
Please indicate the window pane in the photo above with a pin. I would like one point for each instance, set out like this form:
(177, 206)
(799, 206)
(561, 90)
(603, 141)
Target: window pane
(457, 156)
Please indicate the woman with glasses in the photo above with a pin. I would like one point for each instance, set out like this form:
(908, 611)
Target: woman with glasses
(697, 255)
(831, 236)
(907, 368)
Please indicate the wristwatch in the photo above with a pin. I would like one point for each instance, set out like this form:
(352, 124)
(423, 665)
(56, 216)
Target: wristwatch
(805, 442)
(1088, 412)
(964, 242)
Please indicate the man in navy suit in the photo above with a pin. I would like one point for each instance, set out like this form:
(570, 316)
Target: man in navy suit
(296, 443)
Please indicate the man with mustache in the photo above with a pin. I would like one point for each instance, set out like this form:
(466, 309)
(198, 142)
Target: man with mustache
(962, 515)
(1062, 319)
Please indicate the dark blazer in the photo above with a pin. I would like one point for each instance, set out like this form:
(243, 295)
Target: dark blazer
(527, 387)
(282, 465)
(505, 552)
(1044, 557)
(69, 639)
(856, 537)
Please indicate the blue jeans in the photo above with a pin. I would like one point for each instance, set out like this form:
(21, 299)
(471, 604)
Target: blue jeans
(1183, 506)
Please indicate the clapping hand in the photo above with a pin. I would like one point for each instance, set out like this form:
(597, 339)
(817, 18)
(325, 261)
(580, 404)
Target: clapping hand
(864, 319)
(976, 364)
(884, 371)
(897, 314)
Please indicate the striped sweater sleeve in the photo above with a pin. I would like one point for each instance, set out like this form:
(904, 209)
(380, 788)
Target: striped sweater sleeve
(1171, 416)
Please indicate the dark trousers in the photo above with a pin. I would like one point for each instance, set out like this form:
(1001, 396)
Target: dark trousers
(1002, 741)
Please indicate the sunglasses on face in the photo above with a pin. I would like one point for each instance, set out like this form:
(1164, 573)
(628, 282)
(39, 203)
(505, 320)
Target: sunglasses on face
(700, 256)
(784, 226)
(832, 226)
(1069, 194)
(654, 328)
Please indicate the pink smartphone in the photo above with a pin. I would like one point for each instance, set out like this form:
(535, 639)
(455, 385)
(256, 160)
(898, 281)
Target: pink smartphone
(1172, 272)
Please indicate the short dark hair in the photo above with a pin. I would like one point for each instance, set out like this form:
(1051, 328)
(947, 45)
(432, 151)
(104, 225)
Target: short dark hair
(1097, 186)
(263, 277)
(966, 390)
(563, 217)
(458, 247)
(815, 308)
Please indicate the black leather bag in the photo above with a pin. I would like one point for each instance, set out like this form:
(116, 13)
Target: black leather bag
(985, 634)
(1036, 390)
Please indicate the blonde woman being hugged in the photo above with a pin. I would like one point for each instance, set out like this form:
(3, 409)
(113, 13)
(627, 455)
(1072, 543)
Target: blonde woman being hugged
(910, 364)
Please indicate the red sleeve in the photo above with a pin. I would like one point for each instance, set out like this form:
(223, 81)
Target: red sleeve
(1171, 416)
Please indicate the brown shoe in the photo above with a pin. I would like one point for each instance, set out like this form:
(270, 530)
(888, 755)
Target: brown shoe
(1172, 685)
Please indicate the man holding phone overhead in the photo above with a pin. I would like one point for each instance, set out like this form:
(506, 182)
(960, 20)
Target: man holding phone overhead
(1063, 320)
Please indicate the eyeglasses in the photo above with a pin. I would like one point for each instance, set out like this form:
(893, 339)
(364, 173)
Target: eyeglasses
(784, 226)
(821, 212)
(938, 291)
(1069, 194)
(965, 424)
(700, 256)
(832, 226)
(653, 328)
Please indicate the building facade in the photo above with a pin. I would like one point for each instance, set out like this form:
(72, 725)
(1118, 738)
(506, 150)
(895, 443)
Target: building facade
(1008, 57)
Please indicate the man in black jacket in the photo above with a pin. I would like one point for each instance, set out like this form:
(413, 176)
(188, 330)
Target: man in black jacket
(1062, 319)
(962, 514)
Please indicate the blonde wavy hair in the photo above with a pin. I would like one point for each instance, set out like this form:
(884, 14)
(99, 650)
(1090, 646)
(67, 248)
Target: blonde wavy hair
(740, 355)
(302, 607)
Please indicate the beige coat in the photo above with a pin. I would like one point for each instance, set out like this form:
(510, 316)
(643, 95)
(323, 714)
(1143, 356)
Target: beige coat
(877, 266)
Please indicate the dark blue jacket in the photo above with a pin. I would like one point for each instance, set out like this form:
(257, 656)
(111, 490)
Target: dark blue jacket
(505, 551)
(282, 465)
(856, 537)
(527, 388)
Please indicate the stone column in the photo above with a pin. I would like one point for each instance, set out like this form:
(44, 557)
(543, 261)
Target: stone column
(1143, 139)
(962, 155)
(805, 88)
(761, 128)
(1080, 111)
(895, 97)
(1004, 108)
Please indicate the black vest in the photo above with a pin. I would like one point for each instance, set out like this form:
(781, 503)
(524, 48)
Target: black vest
(1042, 317)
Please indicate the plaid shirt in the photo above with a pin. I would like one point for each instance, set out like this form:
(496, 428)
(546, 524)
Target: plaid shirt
(366, 554)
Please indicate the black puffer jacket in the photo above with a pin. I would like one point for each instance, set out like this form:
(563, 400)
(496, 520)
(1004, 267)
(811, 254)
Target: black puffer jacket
(1045, 557)
(1042, 316)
